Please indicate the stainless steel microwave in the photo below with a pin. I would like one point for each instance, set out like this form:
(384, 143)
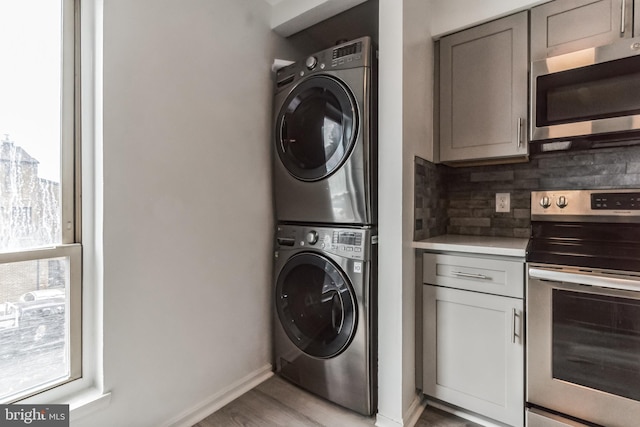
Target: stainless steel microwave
(587, 94)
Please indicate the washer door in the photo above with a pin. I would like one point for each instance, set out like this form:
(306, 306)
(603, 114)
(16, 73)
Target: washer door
(316, 128)
(316, 305)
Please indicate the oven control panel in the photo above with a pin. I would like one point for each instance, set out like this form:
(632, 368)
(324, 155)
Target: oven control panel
(608, 201)
(586, 205)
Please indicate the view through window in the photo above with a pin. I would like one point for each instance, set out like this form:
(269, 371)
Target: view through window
(39, 250)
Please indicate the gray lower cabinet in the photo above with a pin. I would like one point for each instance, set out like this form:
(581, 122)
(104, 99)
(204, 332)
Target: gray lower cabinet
(483, 92)
(473, 344)
(564, 26)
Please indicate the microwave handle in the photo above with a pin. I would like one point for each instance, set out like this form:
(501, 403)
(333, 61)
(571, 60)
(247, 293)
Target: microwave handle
(520, 121)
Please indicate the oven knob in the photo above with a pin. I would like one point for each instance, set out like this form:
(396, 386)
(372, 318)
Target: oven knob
(545, 202)
(312, 237)
(311, 63)
(562, 202)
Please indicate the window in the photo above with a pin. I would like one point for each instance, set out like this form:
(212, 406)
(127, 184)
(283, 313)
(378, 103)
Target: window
(40, 252)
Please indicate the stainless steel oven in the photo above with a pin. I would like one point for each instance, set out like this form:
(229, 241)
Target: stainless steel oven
(583, 309)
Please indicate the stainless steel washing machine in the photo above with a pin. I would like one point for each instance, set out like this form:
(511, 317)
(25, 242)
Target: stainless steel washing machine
(325, 317)
(324, 143)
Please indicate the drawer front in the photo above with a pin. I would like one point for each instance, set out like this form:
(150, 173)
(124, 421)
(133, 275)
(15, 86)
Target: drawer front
(493, 276)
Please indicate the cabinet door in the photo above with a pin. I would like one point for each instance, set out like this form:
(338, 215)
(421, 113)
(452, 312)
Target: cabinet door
(568, 25)
(473, 352)
(483, 91)
(636, 18)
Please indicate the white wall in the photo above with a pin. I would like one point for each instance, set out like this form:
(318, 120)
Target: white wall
(417, 90)
(390, 255)
(186, 204)
(405, 130)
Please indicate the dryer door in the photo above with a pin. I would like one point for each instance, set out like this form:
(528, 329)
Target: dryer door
(316, 305)
(316, 128)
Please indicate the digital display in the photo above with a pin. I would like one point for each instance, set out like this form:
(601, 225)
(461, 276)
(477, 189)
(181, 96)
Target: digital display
(347, 50)
(605, 201)
(347, 238)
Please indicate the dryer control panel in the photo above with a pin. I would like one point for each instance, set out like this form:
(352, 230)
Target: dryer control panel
(344, 242)
(353, 54)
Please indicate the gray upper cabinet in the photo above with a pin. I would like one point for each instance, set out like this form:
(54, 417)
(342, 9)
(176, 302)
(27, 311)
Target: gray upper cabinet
(483, 92)
(564, 26)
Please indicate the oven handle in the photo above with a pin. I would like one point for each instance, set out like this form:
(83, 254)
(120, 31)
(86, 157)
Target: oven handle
(585, 279)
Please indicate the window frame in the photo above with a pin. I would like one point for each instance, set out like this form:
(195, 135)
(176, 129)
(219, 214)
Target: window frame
(70, 197)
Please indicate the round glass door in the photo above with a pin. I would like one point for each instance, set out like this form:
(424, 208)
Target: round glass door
(315, 305)
(316, 128)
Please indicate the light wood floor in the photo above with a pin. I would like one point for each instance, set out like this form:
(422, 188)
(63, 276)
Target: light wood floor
(277, 403)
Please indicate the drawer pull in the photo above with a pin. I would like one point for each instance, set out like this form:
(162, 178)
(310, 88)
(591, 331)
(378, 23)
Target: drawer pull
(470, 275)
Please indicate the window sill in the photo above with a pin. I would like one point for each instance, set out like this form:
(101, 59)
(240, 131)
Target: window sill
(87, 402)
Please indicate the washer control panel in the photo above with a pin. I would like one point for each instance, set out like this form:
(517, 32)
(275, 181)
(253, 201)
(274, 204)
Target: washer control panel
(345, 242)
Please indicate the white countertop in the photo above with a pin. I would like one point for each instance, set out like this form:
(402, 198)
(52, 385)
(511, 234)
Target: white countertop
(505, 246)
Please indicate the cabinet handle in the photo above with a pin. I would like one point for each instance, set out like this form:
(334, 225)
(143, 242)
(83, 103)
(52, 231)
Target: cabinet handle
(514, 329)
(520, 121)
(470, 275)
(623, 11)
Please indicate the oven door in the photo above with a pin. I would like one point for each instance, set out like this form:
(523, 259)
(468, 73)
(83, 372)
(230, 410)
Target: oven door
(584, 344)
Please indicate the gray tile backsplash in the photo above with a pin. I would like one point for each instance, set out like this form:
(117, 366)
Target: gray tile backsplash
(430, 200)
(462, 200)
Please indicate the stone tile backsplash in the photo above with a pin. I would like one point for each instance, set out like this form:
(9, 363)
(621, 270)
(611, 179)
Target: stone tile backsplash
(430, 200)
(462, 200)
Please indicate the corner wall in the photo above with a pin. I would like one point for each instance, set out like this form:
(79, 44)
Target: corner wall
(406, 52)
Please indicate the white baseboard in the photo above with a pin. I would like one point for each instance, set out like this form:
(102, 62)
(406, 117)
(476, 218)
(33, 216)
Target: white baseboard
(415, 410)
(409, 419)
(382, 421)
(201, 410)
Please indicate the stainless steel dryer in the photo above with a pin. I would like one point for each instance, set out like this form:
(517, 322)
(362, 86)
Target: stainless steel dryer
(325, 137)
(325, 319)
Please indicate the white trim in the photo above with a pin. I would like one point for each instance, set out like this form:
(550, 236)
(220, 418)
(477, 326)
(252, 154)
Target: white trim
(411, 416)
(382, 421)
(210, 405)
(415, 410)
(88, 402)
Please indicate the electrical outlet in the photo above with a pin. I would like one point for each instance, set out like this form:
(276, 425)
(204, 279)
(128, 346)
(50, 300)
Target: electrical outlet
(503, 202)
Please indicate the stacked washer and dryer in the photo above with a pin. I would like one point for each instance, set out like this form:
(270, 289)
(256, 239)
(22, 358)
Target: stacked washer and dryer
(325, 190)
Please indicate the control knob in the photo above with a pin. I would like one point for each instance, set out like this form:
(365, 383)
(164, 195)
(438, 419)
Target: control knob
(562, 202)
(545, 202)
(311, 63)
(312, 237)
